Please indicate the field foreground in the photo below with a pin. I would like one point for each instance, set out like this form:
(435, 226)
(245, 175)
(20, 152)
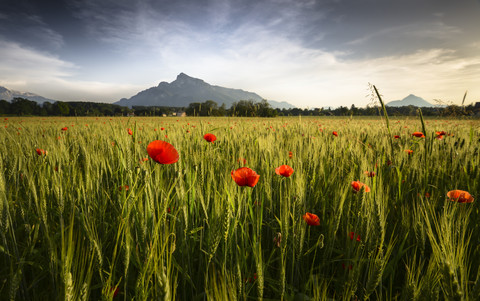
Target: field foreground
(87, 214)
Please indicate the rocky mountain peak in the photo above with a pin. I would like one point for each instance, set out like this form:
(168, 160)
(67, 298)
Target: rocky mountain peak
(183, 79)
(186, 89)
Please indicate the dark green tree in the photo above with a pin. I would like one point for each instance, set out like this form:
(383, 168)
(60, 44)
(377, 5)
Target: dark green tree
(61, 108)
(245, 108)
(4, 107)
(265, 110)
(21, 106)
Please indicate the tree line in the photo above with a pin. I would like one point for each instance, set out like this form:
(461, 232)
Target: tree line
(24, 107)
(441, 111)
(246, 108)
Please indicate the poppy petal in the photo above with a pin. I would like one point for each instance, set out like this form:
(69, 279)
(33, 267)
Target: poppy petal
(418, 134)
(311, 219)
(245, 176)
(284, 170)
(162, 152)
(460, 196)
(210, 137)
(357, 186)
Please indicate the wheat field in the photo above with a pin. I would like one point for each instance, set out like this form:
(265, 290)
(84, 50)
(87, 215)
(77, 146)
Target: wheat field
(87, 214)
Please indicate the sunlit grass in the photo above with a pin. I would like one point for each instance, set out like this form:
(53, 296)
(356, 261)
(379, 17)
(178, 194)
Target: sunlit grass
(93, 215)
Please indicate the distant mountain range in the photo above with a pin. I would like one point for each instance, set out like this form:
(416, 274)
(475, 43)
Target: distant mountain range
(410, 100)
(8, 95)
(185, 90)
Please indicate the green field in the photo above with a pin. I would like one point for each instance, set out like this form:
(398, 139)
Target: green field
(92, 218)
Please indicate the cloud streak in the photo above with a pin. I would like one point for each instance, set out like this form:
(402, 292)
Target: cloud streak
(16, 60)
(27, 69)
(22, 26)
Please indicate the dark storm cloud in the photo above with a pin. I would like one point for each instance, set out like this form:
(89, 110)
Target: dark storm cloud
(358, 29)
(366, 29)
(21, 22)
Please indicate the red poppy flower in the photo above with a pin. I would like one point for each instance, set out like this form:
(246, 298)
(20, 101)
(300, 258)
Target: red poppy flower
(284, 170)
(418, 134)
(352, 236)
(409, 151)
(41, 152)
(335, 134)
(442, 133)
(460, 196)
(115, 290)
(290, 154)
(370, 174)
(357, 186)
(311, 219)
(64, 128)
(210, 137)
(396, 137)
(162, 152)
(244, 176)
(350, 267)
(125, 187)
(129, 131)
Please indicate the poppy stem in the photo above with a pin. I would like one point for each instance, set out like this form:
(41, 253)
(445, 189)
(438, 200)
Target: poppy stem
(134, 140)
(283, 242)
(425, 154)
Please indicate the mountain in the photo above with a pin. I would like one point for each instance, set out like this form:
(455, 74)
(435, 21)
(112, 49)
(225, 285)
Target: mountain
(410, 100)
(8, 95)
(185, 90)
(280, 104)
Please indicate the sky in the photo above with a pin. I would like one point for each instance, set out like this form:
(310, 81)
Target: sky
(310, 53)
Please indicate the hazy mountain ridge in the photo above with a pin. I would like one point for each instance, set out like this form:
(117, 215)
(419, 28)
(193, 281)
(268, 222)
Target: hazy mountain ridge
(185, 90)
(410, 100)
(8, 95)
